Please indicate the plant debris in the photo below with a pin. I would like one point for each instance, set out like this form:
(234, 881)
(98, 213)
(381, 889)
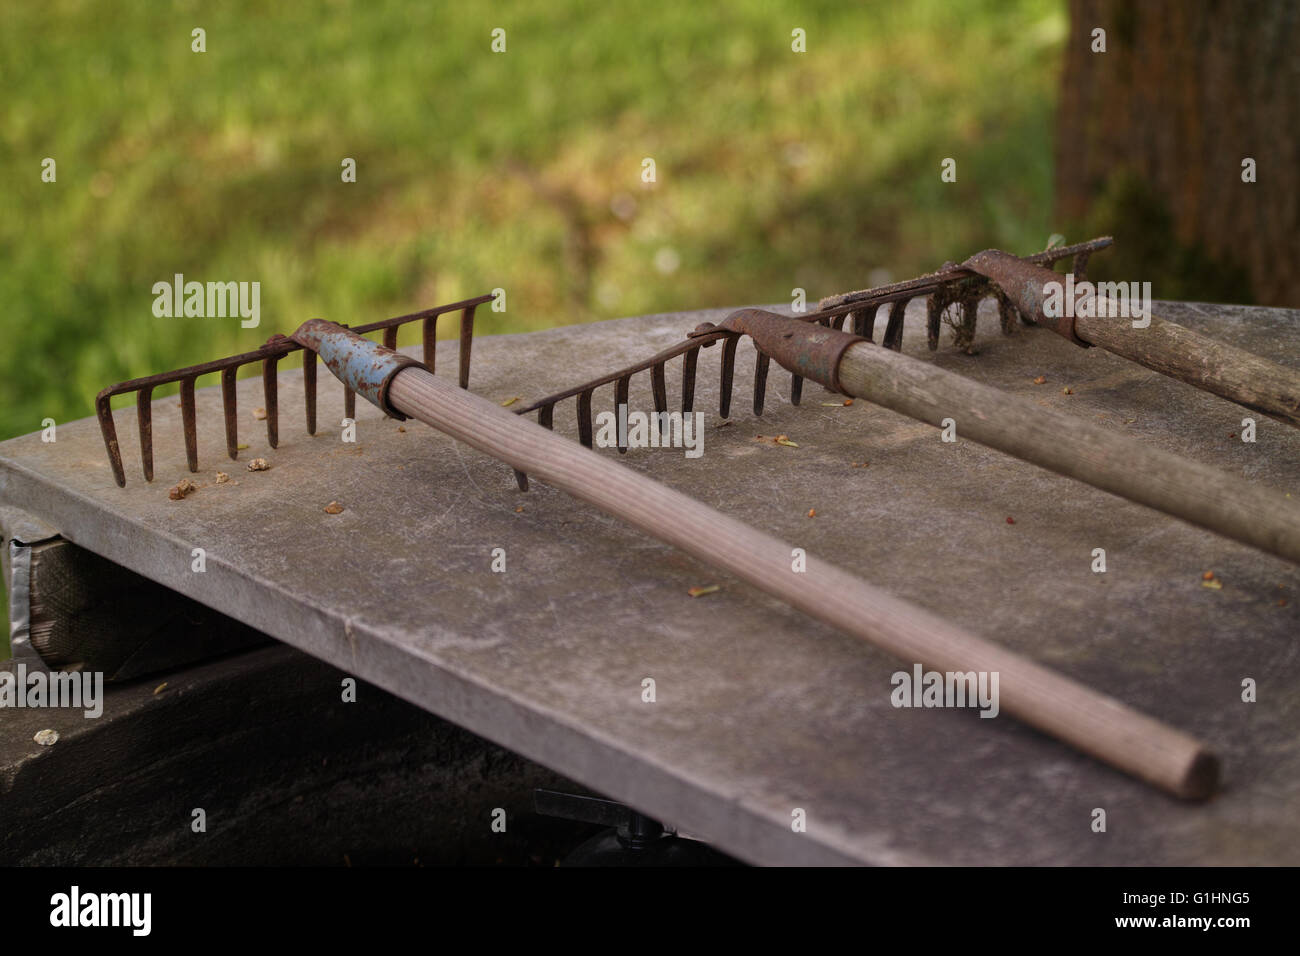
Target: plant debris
(812, 512)
(222, 477)
(181, 489)
(509, 401)
(1067, 391)
(706, 589)
(334, 508)
(259, 414)
(159, 689)
(1010, 520)
(46, 738)
(259, 464)
(1041, 380)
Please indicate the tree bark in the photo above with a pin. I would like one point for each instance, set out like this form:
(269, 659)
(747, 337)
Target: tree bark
(1156, 128)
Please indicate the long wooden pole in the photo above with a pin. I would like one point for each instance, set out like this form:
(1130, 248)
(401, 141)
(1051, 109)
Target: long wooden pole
(1163, 346)
(1093, 722)
(1197, 493)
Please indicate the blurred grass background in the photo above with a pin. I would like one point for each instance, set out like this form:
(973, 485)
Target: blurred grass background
(477, 170)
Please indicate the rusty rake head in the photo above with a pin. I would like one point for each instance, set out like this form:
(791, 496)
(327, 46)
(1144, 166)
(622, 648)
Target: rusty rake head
(276, 348)
(951, 285)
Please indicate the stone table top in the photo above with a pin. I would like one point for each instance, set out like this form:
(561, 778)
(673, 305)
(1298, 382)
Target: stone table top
(759, 711)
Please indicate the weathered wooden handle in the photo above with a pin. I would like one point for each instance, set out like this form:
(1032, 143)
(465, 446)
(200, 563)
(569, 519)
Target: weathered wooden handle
(1252, 514)
(1163, 346)
(1094, 723)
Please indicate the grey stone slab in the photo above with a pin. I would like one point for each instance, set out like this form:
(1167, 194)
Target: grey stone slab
(759, 710)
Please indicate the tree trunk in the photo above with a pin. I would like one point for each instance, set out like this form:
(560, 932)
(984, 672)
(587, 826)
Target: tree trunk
(1152, 135)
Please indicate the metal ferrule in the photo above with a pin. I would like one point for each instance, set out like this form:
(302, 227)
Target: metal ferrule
(1026, 285)
(807, 349)
(364, 366)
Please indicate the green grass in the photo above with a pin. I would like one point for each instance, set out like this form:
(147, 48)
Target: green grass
(478, 170)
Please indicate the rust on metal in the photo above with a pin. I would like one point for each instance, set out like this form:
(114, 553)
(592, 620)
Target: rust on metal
(269, 355)
(1025, 283)
(953, 285)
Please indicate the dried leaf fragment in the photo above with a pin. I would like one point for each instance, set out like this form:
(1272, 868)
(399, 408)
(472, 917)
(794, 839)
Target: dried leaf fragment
(259, 464)
(1041, 380)
(812, 512)
(1214, 584)
(701, 591)
(259, 414)
(159, 689)
(222, 477)
(181, 489)
(334, 508)
(509, 401)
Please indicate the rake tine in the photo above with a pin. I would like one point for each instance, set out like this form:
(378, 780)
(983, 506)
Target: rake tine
(228, 405)
(660, 389)
(1007, 312)
(429, 334)
(620, 401)
(104, 412)
(761, 363)
(187, 422)
(796, 389)
(309, 387)
(349, 404)
(584, 418)
(864, 322)
(271, 390)
(521, 480)
(934, 306)
(728, 373)
(894, 329)
(144, 415)
(1080, 266)
(546, 416)
(689, 361)
(466, 340)
(390, 337)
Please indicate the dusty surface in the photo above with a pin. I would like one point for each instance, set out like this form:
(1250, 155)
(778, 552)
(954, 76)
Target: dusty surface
(759, 710)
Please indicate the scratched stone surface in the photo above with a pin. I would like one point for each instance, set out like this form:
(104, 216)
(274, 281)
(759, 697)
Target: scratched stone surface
(759, 709)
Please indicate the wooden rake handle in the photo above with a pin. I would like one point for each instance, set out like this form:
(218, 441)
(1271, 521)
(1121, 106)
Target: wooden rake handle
(1094, 723)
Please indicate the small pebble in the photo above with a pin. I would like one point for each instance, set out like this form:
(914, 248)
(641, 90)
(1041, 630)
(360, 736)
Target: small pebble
(46, 738)
(333, 508)
(812, 512)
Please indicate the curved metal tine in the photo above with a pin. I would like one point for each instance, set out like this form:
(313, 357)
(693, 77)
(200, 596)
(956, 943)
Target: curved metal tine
(309, 387)
(864, 322)
(933, 317)
(546, 416)
(796, 389)
(187, 423)
(349, 403)
(660, 389)
(970, 310)
(228, 406)
(1006, 312)
(689, 362)
(620, 412)
(429, 335)
(761, 363)
(894, 329)
(104, 412)
(144, 417)
(466, 342)
(728, 375)
(584, 418)
(271, 390)
(1080, 266)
